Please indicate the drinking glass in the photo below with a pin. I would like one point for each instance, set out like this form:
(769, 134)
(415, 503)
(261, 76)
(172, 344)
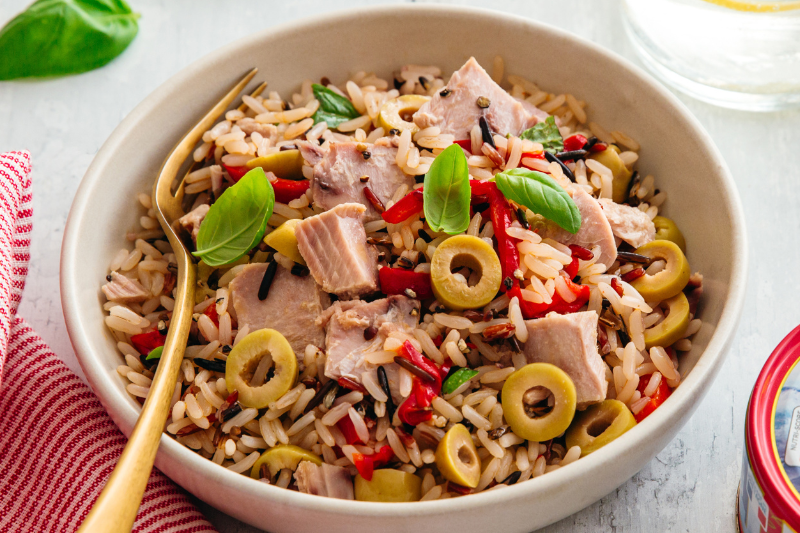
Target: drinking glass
(733, 53)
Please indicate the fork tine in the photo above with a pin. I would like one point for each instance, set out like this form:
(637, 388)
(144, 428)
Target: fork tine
(179, 191)
(161, 190)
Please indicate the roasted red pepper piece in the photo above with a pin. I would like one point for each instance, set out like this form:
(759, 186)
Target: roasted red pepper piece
(575, 142)
(397, 280)
(598, 147)
(347, 428)
(502, 216)
(662, 393)
(211, 312)
(580, 252)
(410, 412)
(466, 144)
(412, 354)
(407, 206)
(236, 172)
(148, 341)
(572, 269)
(558, 305)
(366, 464)
(417, 407)
(288, 190)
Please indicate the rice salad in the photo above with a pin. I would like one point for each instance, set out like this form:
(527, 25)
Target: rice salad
(411, 289)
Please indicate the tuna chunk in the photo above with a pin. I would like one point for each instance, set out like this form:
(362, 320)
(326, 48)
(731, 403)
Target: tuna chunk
(324, 480)
(191, 221)
(345, 344)
(338, 175)
(628, 223)
(458, 112)
(334, 246)
(292, 306)
(570, 343)
(124, 290)
(312, 152)
(595, 229)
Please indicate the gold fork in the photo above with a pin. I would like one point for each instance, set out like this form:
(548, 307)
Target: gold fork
(116, 508)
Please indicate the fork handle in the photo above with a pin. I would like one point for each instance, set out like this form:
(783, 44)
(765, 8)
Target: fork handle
(116, 508)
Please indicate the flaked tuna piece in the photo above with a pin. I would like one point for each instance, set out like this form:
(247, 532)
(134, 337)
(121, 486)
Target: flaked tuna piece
(457, 112)
(191, 221)
(339, 175)
(249, 125)
(595, 229)
(334, 246)
(345, 345)
(124, 290)
(312, 152)
(570, 343)
(292, 307)
(536, 114)
(324, 480)
(628, 223)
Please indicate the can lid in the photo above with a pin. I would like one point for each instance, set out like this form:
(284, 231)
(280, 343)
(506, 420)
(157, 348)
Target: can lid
(772, 431)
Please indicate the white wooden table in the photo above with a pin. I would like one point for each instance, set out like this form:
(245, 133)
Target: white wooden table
(691, 485)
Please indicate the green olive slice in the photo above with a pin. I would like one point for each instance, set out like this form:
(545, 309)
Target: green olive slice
(598, 425)
(539, 421)
(280, 457)
(244, 358)
(667, 230)
(457, 458)
(388, 485)
(396, 113)
(672, 328)
(285, 164)
(475, 254)
(668, 282)
(610, 159)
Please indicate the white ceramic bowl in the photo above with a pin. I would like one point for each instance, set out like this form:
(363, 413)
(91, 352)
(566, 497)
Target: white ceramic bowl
(702, 199)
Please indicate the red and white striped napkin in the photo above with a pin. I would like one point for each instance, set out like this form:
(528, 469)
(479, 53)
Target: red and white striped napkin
(57, 444)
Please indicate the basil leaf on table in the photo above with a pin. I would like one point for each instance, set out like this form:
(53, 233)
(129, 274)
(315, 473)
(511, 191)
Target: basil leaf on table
(333, 107)
(446, 194)
(546, 133)
(57, 37)
(236, 221)
(541, 194)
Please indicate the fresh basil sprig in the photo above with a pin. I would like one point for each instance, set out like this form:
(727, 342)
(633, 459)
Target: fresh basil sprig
(446, 196)
(333, 108)
(236, 221)
(458, 378)
(547, 134)
(541, 194)
(57, 37)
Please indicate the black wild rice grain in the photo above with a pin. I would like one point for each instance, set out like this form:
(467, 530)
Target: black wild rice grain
(444, 93)
(227, 349)
(288, 147)
(513, 478)
(320, 395)
(631, 257)
(216, 365)
(374, 200)
(623, 337)
(231, 411)
(394, 131)
(213, 280)
(499, 432)
(370, 333)
(574, 154)
(424, 236)
(366, 154)
(523, 218)
(364, 179)
(508, 282)
(324, 81)
(553, 159)
(266, 281)
(424, 82)
(108, 277)
(486, 133)
(418, 371)
(300, 271)
(405, 262)
(591, 141)
(162, 327)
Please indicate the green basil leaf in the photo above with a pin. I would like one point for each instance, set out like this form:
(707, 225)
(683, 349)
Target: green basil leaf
(547, 134)
(57, 37)
(333, 107)
(155, 353)
(541, 194)
(236, 221)
(446, 196)
(458, 378)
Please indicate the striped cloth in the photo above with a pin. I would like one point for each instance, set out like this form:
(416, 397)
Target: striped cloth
(57, 444)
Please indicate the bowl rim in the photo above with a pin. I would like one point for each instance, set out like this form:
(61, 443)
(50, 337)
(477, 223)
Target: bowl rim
(685, 398)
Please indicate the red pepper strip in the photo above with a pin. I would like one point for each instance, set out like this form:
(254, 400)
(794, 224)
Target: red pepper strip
(347, 428)
(500, 211)
(412, 354)
(417, 407)
(211, 312)
(407, 206)
(580, 252)
(148, 341)
(236, 172)
(598, 147)
(288, 190)
(572, 268)
(410, 412)
(366, 464)
(575, 142)
(348, 383)
(662, 393)
(466, 144)
(397, 280)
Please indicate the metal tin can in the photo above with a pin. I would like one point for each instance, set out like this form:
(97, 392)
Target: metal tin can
(769, 497)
